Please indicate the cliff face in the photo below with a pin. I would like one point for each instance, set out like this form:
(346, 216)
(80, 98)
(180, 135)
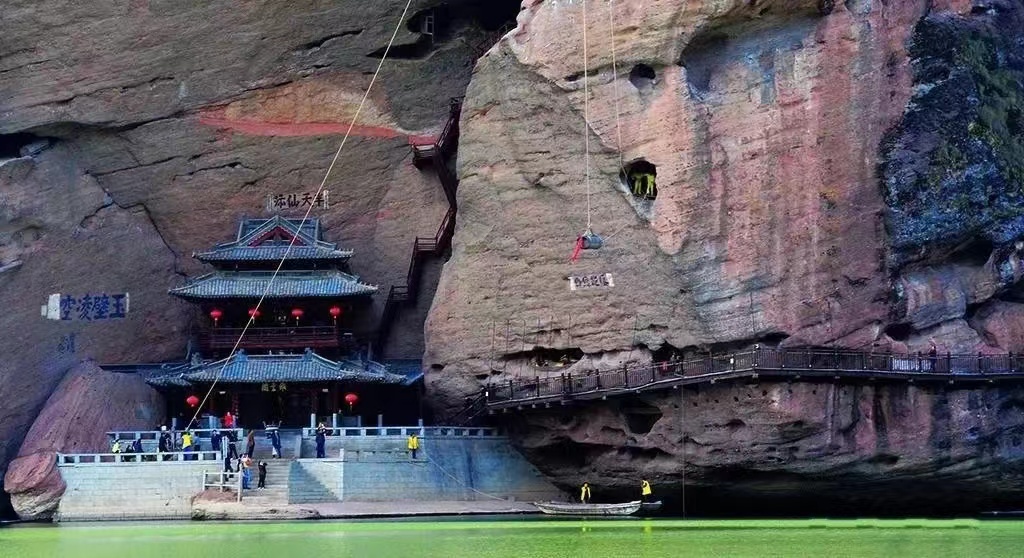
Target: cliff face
(805, 197)
(166, 122)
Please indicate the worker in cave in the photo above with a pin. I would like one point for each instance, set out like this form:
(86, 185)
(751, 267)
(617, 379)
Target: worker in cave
(642, 184)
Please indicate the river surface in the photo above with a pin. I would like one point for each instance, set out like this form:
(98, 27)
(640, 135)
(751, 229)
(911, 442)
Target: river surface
(519, 538)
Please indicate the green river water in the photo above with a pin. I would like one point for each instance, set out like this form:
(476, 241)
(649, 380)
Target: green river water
(519, 538)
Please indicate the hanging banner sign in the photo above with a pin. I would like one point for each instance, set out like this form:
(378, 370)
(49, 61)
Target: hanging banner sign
(590, 281)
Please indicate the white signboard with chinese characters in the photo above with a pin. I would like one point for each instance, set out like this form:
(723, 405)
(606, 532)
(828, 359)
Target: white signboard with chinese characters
(577, 282)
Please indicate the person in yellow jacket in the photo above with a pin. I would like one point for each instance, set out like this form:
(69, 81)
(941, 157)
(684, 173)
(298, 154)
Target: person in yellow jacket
(645, 490)
(413, 444)
(116, 448)
(585, 493)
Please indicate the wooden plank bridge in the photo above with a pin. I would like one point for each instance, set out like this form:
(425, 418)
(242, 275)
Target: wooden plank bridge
(784, 364)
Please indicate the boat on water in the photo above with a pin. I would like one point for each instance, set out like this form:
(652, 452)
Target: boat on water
(570, 508)
(648, 507)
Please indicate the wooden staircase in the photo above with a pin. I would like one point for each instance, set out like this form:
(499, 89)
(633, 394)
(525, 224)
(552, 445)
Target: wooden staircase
(437, 154)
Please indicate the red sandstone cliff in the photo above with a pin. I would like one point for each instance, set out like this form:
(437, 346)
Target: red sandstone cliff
(87, 404)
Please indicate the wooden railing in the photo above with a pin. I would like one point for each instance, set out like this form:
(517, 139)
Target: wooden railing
(424, 247)
(786, 363)
(297, 337)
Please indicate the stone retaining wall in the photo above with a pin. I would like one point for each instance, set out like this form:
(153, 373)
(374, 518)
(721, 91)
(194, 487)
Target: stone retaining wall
(131, 490)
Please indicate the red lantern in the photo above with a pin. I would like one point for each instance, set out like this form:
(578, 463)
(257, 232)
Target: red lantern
(351, 399)
(335, 312)
(297, 313)
(192, 401)
(254, 313)
(216, 314)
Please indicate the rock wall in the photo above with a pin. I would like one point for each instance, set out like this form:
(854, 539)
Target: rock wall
(792, 142)
(763, 121)
(167, 122)
(800, 447)
(88, 403)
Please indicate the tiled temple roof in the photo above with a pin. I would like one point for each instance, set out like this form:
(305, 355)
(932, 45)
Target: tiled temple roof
(251, 243)
(242, 368)
(287, 284)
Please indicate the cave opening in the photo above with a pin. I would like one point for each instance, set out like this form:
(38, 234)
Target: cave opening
(900, 331)
(17, 145)
(493, 15)
(546, 357)
(640, 417)
(639, 178)
(974, 252)
(642, 77)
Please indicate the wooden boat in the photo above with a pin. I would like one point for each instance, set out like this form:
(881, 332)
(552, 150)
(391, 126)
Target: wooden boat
(569, 508)
(648, 507)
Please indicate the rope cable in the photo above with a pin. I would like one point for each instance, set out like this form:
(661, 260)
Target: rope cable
(615, 85)
(305, 217)
(586, 113)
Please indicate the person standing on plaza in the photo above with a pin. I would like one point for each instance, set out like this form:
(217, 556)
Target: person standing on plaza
(275, 438)
(250, 443)
(413, 444)
(246, 473)
(186, 444)
(321, 440)
(232, 444)
(263, 475)
(229, 420)
(215, 441)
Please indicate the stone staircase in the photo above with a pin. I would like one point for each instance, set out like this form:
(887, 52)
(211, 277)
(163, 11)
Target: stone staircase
(278, 470)
(314, 482)
(276, 492)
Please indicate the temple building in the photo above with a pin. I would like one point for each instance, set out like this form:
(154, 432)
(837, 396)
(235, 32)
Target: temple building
(302, 352)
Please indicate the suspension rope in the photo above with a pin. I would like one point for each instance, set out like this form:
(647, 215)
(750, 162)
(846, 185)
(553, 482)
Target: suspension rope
(586, 113)
(615, 85)
(337, 154)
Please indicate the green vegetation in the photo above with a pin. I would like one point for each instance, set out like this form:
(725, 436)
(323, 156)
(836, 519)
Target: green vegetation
(1000, 121)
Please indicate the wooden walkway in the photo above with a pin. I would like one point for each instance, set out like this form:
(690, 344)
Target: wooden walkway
(792, 365)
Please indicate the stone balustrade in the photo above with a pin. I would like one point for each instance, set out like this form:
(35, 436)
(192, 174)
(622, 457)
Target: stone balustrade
(154, 435)
(405, 431)
(111, 458)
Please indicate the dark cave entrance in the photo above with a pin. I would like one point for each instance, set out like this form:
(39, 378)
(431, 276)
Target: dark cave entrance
(639, 179)
(17, 145)
(642, 77)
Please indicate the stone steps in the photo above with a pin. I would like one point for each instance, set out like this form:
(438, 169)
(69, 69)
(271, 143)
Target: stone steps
(305, 487)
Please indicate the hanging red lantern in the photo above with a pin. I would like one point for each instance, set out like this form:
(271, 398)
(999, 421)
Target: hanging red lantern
(192, 401)
(254, 313)
(216, 314)
(335, 312)
(351, 399)
(297, 313)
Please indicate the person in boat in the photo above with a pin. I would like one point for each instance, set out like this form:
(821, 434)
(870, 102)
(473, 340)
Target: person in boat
(645, 490)
(585, 493)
